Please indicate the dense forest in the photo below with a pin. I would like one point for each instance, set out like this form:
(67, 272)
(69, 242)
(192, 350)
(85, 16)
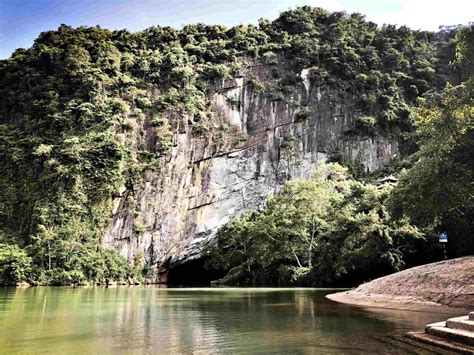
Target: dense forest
(72, 105)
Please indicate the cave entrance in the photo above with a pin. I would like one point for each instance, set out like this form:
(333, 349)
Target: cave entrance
(193, 273)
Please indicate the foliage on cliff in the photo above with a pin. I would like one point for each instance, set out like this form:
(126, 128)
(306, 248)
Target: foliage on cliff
(318, 231)
(81, 106)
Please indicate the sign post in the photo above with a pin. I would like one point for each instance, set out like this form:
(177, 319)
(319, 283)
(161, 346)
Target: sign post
(443, 238)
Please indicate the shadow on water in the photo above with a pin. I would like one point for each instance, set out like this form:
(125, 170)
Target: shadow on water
(186, 320)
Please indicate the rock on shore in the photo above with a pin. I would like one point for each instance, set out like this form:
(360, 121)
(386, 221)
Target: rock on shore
(441, 285)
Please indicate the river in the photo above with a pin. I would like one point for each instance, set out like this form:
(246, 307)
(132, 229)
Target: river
(153, 319)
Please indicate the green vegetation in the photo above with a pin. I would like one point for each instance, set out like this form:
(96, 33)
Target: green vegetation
(256, 85)
(437, 192)
(315, 232)
(303, 114)
(333, 229)
(77, 105)
(198, 129)
(15, 265)
(365, 123)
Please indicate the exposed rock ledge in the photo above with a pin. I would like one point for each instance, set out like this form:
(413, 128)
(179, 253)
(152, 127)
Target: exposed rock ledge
(444, 286)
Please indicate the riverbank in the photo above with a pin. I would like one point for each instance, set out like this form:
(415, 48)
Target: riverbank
(442, 287)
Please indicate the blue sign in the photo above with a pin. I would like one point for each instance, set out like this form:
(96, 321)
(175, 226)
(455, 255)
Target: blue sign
(443, 238)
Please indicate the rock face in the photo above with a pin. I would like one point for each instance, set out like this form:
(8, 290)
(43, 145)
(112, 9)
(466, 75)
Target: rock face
(446, 283)
(254, 145)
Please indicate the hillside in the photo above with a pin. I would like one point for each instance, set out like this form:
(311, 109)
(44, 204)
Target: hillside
(122, 148)
(445, 283)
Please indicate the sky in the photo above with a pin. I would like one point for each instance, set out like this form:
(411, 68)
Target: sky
(21, 21)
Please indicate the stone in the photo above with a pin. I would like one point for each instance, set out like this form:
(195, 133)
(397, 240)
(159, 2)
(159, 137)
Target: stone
(462, 323)
(437, 324)
(205, 181)
(440, 343)
(458, 335)
(455, 334)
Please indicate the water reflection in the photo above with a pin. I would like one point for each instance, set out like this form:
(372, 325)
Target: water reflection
(167, 320)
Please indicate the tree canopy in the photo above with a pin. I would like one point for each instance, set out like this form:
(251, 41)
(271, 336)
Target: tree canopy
(315, 232)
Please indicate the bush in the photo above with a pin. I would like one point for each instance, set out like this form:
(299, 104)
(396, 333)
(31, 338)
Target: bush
(143, 102)
(240, 139)
(118, 106)
(198, 129)
(365, 123)
(163, 132)
(139, 228)
(303, 114)
(15, 265)
(129, 124)
(288, 142)
(157, 121)
(233, 102)
(216, 72)
(270, 58)
(256, 85)
(61, 277)
(138, 113)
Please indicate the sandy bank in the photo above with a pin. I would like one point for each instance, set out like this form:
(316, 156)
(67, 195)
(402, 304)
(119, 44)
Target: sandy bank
(446, 286)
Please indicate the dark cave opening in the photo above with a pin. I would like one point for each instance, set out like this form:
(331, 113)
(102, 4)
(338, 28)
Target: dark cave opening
(193, 273)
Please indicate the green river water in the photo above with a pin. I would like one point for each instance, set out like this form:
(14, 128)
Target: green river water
(153, 319)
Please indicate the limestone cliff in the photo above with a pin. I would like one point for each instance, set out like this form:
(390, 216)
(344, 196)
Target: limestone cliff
(254, 144)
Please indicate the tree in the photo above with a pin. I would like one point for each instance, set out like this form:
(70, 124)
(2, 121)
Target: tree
(438, 189)
(15, 265)
(464, 59)
(362, 240)
(314, 232)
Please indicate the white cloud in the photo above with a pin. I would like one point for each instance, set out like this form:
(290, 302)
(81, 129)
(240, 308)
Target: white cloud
(430, 14)
(417, 14)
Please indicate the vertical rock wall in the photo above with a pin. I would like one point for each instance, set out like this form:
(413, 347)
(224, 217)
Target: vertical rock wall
(254, 146)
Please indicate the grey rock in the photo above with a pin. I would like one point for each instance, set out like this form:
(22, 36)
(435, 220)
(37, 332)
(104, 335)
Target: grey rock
(201, 187)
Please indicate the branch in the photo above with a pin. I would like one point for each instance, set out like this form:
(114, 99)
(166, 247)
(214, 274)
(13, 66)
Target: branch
(296, 257)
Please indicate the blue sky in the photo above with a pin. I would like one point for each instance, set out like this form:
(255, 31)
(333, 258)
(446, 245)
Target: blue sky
(22, 20)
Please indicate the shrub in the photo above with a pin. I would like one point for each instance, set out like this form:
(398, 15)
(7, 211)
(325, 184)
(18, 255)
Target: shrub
(164, 134)
(137, 113)
(288, 142)
(143, 102)
(256, 85)
(118, 106)
(233, 102)
(139, 227)
(270, 58)
(365, 123)
(198, 129)
(223, 127)
(241, 139)
(216, 71)
(275, 93)
(303, 114)
(129, 124)
(61, 277)
(157, 121)
(15, 265)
